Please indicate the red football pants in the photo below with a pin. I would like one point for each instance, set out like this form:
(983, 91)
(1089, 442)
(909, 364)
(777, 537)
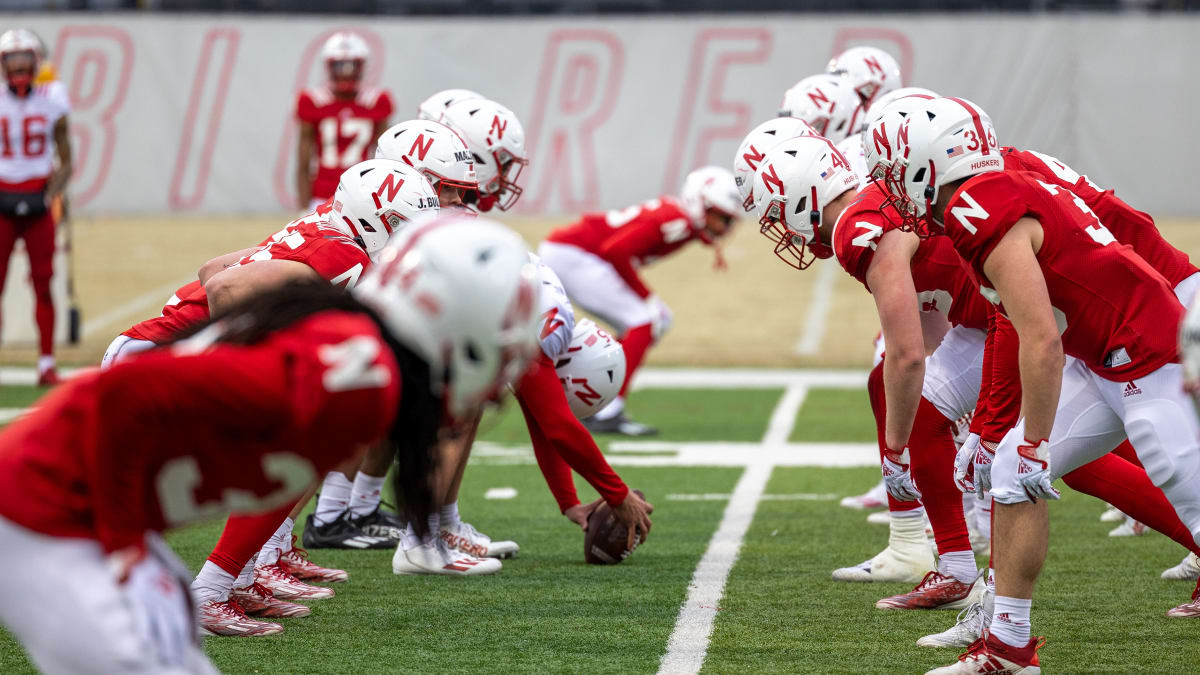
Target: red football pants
(244, 535)
(38, 233)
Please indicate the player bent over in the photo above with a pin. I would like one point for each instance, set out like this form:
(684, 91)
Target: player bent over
(255, 408)
(598, 259)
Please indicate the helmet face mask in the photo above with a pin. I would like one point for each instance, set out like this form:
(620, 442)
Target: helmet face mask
(378, 197)
(20, 54)
(345, 55)
(345, 75)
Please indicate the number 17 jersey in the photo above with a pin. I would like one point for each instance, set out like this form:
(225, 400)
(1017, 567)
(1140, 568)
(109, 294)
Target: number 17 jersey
(344, 131)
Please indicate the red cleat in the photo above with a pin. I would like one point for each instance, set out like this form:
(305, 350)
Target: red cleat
(935, 591)
(1188, 610)
(49, 378)
(988, 656)
(227, 618)
(296, 561)
(276, 579)
(256, 600)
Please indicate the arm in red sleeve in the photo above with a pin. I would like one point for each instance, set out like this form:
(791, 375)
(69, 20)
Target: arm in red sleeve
(1004, 393)
(632, 241)
(546, 411)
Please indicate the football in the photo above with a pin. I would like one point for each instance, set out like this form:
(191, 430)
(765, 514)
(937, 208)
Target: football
(604, 541)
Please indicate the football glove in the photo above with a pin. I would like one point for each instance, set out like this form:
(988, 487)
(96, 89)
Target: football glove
(660, 317)
(897, 478)
(985, 455)
(155, 585)
(964, 467)
(1033, 470)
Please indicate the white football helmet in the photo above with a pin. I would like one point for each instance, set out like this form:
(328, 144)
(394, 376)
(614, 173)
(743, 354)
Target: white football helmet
(942, 140)
(462, 294)
(756, 145)
(883, 120)
(710, 187)
(497, 141)
(433, 107)
(879, 104)
(345, 56)
(1189, 347)
(870, 71)
(797, 179)
(591, 370)
(826, 102)
(378, 197)
(20, 56)
(432, 148)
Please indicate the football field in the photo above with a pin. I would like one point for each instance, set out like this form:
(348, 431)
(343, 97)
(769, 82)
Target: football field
(745, 478)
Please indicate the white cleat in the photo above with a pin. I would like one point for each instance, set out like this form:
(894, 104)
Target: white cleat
(907, 558)
(466, 539)
(1187, 570)
(968, 628)
(437, 558)
(875, 498)
(1112, 515)
(988, 656)
(1129, 528)
(228, 619)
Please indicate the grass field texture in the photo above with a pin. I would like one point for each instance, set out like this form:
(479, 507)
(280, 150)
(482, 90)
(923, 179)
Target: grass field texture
(1100, 600)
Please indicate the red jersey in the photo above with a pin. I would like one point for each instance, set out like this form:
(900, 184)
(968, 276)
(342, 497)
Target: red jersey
(198, 430)
(942, 283)
(633, 237)
(345, 130)
(308, 240)
(1130, 226)
(1115, 312)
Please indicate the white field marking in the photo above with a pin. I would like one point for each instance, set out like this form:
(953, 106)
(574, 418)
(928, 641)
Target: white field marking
(715, 453)
(817, 318)
(10, 414)
(688, 643)
(747, 378)
(783, 418)
(718, 497)
(29, 376)
(500, 493)
(130, 307)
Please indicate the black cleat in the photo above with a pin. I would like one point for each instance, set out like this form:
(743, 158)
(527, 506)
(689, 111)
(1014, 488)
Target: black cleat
(341, 533)
(380, 523)
(618, 425)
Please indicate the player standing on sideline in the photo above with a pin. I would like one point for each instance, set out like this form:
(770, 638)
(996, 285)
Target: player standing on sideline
(598, 257)
(338, 121)
(35, 165)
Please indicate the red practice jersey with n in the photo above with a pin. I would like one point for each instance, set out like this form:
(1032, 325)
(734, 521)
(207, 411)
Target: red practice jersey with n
(345, 131)
(198, 430)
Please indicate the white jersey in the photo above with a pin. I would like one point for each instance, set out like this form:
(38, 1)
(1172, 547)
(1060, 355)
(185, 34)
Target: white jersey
(27, 135)
(852, 148)
(558, 316)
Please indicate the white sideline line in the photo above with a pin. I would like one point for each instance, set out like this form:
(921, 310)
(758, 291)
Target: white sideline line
(716, 454)
(719, 497)
(817, 318)
(688, 644)
(783, 418)
(28, 376)
(131, 307)
(747, 378)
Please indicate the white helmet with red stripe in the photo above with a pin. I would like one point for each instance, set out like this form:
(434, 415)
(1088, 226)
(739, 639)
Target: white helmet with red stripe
(432, 148)
(870, 71)
(497, 142)
(710, 187)
(884, 118)
(591, 370)
(433, 107)
(797, 179)
(756, 145)
(20, 54)
(942, 140)
(461, 293)
(826, 102)
(378, 197)
(345, 56)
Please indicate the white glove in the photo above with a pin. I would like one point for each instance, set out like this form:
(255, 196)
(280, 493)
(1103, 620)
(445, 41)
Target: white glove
(154, 585)
(897, 478)
(985, 456)
(964, 468)
(660, 317)
(1033, 470)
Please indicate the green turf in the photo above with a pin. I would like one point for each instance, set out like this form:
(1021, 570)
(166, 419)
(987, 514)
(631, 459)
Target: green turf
(19, 396)
(835, 415)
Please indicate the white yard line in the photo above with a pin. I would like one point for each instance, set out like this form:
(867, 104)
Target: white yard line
(719, 497)
(9, 414)
(747, 378)
(817, 318)
(127, 309)
(783, 418)
(717, 454)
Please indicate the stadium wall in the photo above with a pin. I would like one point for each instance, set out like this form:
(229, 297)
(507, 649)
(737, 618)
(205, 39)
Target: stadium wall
(193, 113)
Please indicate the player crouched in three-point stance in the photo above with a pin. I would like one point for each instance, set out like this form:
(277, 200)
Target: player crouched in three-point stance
(338, 122)
(1043, 258)
(244, 416)
(35, 164)
(598, 258)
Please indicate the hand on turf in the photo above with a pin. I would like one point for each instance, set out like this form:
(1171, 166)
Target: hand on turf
(1033, 470)
(634, 513)
(579, 513)
(964, 467)
(985, 454)
(897, 478)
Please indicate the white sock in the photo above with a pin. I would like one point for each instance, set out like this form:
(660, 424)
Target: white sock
(913, 513)
(612, 409)
(410, 540)
(212, 583)
(958, 564)
(366, 495)
(1010, 620)
(449, 515)
(246, 578)
(45, 362)
(907, 529)
(435, 526)
(334, 498)
(278, 544)
(983, 516)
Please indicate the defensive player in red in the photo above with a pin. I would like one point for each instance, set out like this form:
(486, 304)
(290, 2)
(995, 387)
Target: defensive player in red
(244, 416)
(1059, 275)
(598, 259)
(35, 165)
(338, 121)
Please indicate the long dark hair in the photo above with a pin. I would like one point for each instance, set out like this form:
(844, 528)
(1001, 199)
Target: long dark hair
(414, 434)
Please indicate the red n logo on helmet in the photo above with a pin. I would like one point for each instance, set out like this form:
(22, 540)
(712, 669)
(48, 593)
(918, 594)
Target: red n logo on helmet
(753, 156)
(392, 184)
(902, 136)
(498, 127)
(819, 99)
(879, 136)
(769, 178)
(419, 148)
(873, 65)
